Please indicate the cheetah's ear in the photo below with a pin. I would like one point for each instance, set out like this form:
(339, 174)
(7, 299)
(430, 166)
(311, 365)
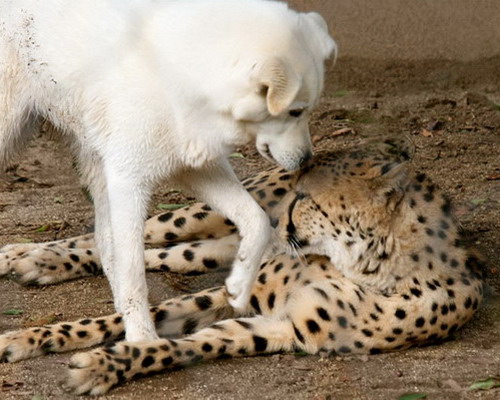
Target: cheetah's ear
(279, 83)
(389, 188)
(398, 147)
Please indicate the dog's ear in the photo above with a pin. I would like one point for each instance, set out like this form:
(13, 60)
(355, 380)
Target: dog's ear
(279, 83)
(327, 45)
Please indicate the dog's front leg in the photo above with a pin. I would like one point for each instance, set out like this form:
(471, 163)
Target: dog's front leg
(93, 177)
(128, 196)
(220, 188)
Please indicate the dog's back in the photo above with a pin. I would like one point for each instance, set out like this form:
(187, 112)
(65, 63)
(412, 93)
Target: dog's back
(67, 60)
(47, 48)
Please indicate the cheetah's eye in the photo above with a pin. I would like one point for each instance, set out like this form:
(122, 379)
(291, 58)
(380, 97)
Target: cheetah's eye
(296, 113)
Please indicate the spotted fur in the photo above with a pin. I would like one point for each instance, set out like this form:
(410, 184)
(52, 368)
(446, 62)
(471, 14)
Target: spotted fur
(375, 262)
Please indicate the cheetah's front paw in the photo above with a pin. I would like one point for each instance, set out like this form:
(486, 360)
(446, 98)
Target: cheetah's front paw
(101, 369)
(94, 373)
(97, 371)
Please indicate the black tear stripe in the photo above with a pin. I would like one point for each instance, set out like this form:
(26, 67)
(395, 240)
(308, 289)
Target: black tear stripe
(290, 228)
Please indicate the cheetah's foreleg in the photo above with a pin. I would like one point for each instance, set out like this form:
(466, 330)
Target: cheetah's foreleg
(97, 371)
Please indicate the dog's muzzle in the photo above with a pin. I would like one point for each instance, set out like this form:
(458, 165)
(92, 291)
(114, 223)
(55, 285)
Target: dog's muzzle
(305, 158)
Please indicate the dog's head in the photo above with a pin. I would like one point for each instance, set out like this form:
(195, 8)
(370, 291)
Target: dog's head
(282, 88)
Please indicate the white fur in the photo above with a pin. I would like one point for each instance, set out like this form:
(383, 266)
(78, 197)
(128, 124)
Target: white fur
(162, 89)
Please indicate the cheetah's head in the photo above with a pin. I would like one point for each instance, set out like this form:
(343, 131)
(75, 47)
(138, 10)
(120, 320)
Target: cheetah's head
(344, 199)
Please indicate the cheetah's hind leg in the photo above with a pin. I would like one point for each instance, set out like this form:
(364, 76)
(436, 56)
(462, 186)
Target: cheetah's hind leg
(48, 264)
(62, 260)
(194, 258)
(193, 222)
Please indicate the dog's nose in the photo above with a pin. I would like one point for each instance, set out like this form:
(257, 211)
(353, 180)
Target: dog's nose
(305, 158)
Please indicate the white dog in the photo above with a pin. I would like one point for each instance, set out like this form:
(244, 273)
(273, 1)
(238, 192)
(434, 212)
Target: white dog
(162, 89)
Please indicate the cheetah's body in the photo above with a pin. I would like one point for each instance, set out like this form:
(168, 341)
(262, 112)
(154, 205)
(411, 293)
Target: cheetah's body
(385, 269)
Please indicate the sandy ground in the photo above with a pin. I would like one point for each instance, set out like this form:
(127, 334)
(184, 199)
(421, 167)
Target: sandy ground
(451, 110)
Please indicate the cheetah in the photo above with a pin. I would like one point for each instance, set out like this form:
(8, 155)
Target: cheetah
(367, 258)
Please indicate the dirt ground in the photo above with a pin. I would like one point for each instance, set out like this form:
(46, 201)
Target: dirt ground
(452, 110)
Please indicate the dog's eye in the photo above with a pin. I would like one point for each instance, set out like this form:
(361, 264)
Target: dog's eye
(295, 113)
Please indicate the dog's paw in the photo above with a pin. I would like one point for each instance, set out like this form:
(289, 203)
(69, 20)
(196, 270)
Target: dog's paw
(239, 288)
(19, 345)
